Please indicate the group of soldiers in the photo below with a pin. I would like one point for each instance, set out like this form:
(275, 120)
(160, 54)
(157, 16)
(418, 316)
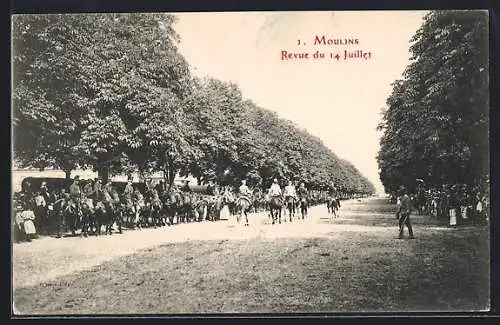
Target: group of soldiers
(289, 191)
(89, 195)
(94, 195)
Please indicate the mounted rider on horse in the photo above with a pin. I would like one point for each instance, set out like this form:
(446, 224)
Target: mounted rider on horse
(303, 198)
(275, 201)
(244, 201)
(290, 195)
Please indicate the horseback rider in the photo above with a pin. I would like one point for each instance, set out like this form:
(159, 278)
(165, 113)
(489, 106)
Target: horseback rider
(88, 193)
(75, 193)
(97, 189)
(303, 195)
(302, 191)
(127, 196)
(332, 191)
(106, 198)
(289, 191)
(275, 189)
(88, 189)
(138, 200)
(244, 191)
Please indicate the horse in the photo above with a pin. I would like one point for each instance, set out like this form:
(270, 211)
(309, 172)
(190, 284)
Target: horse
(243, 206)
(186, 210)
(257, 202)
(70, 219)
(200, 208)
(87, 217)
(171, 204)
(275, 207)
(303, 206)
(151, 212)
(331, 204)
(104, 216)
(290, 205)
(215, 207)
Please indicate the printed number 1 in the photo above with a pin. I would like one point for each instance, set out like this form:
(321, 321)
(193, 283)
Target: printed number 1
(298, 42)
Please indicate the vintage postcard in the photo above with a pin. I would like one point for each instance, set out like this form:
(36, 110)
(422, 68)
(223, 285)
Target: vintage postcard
(250, 162)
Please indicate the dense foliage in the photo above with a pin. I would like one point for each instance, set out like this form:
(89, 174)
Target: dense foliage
(111, 92)
(435, 126)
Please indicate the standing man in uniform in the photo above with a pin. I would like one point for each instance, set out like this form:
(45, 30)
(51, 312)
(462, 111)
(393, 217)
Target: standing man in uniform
(75, 193)
(403, 213)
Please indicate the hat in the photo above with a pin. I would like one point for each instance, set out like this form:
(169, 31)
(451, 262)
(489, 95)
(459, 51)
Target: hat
(44, 183)
(275, 180)
(77, 177)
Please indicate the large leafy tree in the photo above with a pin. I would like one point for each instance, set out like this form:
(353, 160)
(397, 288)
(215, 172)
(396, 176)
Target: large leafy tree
(435, 125)
(52, 93)
(87, 86)
(143, 89)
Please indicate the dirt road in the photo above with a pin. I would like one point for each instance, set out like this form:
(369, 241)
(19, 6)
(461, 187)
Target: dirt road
(351, 263)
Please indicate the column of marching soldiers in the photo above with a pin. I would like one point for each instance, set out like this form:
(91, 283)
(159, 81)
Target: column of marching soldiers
(87, 207)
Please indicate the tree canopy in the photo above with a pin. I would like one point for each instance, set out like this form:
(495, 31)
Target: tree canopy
(435, 125)
(112, 92)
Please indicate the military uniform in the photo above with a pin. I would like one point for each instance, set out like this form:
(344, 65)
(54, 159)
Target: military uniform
(274, 190)
(127, 195)
(245, 193)
(403, 213)
(75, 194)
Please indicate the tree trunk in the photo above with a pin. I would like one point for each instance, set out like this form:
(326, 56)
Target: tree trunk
(68, 175)
(171, 177)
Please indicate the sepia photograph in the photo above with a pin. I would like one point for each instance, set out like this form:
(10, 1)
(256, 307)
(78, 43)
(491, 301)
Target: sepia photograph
(285, 162)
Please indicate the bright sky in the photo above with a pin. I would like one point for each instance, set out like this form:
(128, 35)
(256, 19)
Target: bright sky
(339, 102)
